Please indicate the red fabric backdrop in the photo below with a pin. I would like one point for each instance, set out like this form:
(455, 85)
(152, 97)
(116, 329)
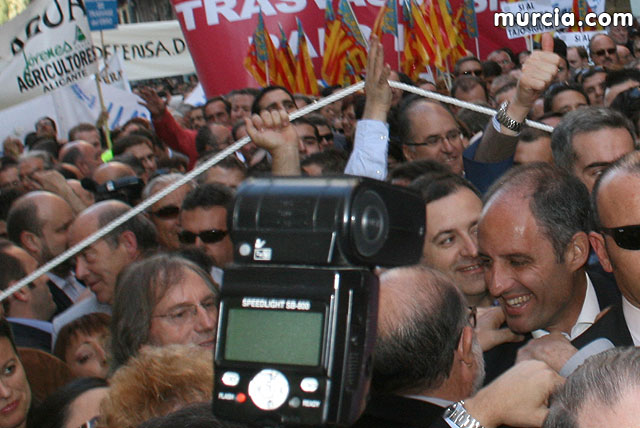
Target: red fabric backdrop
(218, 31)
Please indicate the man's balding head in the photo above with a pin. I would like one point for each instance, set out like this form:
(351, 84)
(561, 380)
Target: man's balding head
(423, 338)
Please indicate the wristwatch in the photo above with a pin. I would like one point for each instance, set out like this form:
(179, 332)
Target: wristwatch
(504, 120)
(457, 414)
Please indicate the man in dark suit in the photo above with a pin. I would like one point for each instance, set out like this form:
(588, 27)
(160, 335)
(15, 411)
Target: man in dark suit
(533, 238)
(29, 309)
(616, 210)
(38, 222)
(427, 357)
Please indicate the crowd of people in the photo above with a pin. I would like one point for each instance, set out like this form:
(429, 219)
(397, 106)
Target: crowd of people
(524, 309)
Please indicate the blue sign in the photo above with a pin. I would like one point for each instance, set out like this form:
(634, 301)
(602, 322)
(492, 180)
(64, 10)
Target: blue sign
(102, 14)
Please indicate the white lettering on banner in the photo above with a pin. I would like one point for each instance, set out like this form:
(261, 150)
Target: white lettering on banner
(213, 8)
(253, 7)
(234, 11)
(186, 10)
(291, 6)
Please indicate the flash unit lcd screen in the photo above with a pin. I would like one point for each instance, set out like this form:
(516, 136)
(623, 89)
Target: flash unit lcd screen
(276, 337)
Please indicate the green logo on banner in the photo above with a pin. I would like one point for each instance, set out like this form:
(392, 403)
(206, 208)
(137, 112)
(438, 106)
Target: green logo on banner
(80, 37)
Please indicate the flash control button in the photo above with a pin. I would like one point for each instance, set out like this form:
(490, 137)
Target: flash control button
(269, 389)
(309, 384)
(231, 378)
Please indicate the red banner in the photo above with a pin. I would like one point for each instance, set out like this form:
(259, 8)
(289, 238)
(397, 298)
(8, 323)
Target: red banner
(218, 32)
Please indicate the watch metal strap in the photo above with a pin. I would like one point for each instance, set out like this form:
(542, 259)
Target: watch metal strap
(459, 416)
(505, 120)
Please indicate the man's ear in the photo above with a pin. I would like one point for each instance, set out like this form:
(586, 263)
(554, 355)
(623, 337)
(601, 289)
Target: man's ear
(577, 252)
(130, 243)
(408, 152)
(597, 242)
(30, 242)
(465, 346)
(23, 294)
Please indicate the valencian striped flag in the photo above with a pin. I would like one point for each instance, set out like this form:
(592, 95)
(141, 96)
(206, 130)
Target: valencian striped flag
(426, 36)
(256, 60)
(336, 46)
(580, 9)
(470, 20)
(387, 20)
(357, 55)
(286, 64)
(306, 82)
(416, 58)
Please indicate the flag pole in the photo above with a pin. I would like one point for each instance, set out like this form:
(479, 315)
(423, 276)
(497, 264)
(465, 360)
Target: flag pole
(103, 112)
(477, 47)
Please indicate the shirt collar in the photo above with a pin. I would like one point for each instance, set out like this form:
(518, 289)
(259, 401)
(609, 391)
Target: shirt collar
(45, 326)
(588, 314)
(632, 317)
(433, 400)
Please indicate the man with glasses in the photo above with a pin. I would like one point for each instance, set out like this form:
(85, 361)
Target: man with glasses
(616, 211)
(427, 130)
(468, 66)
(203, 222)
(164, 213)
(173, 301)
(533, 241)
(603, 52)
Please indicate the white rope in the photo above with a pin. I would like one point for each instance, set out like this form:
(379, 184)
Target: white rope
(142, 206)
(164, 192)
(464, 104)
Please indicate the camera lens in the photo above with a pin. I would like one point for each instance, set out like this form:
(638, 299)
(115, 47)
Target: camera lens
(370, 223)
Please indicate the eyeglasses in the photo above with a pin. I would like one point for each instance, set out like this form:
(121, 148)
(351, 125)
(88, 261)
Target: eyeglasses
(601, 52)
(167, 213)
(477, 73)
(434, 140)
(207, 236)
(187, 313)
(627, 237)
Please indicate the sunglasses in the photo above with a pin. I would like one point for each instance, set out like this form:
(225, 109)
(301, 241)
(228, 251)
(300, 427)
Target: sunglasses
(601, 52)
(627, 237)
(477, 73)
(168, 212)
(207, 236)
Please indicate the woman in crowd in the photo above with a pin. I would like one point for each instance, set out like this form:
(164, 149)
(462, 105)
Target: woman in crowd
(77, 404)
(83, 345)
(15, 393)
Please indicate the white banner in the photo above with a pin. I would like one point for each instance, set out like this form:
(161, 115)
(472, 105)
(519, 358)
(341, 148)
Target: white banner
(578, 39)
(112, 73)
(48, 46)
(150, 50)
(69, 106)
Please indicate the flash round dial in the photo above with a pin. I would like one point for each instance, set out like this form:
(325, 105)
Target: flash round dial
(269, 389)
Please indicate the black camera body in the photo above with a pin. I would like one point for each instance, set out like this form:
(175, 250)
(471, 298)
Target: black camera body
(337, 221)
(295, 350)
(298, 309)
